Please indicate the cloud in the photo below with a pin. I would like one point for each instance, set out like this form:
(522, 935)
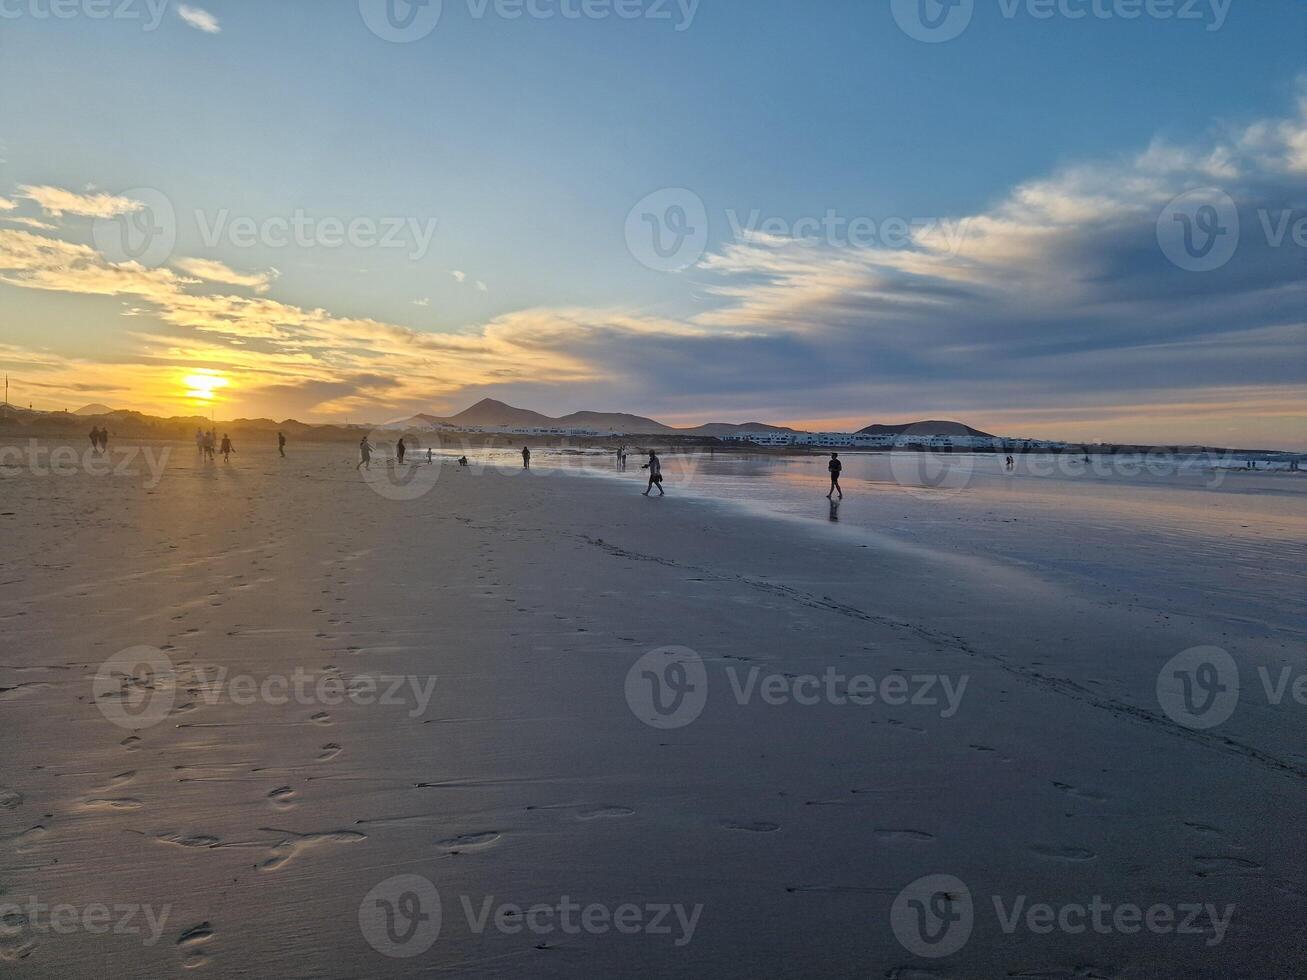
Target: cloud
(200, 19)
(215, 271)
(58, 202)
(482, 287)
(6, 204)
(28, 222)
(1053, 312)
(424, 301)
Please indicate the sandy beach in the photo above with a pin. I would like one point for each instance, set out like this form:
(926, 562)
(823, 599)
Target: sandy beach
(351, 694)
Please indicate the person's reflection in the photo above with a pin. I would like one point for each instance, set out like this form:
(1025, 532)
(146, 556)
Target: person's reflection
(834, 509)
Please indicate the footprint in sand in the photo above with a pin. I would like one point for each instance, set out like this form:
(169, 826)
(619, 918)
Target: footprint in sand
(1220, 867)
(293, 844)
(282, 798)
(329, 752)
(1063, 853)
(754, 826)
(1203, 828)
(120, 779)
(1080, 794)
(193, 945)
(895, 836)
(119, 803)
(604, 812)
(130, 742)
(10, 799)
(321, 718)
(468, 842)
(195, 840)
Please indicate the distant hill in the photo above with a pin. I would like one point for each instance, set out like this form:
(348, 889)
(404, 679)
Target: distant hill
(930, 427)
(96, 409)
(489, 412)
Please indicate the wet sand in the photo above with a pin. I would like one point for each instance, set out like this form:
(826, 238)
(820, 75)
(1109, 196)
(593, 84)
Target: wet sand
(254, 829)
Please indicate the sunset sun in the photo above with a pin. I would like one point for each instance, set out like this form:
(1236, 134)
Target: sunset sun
(202, 385)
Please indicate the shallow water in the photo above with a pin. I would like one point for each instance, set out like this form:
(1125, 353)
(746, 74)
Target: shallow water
(1181, 534)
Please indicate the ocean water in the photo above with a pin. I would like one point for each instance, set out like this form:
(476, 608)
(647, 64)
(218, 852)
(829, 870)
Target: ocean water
(1186, 534)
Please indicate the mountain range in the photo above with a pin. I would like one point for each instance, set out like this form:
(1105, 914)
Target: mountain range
(489, 412)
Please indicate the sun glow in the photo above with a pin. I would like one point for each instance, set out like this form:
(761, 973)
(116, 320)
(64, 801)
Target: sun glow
(202, 385)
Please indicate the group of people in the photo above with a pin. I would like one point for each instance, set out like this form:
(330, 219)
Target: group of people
(207, 442)
(99, 440)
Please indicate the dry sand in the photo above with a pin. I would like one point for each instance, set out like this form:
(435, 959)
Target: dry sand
(249, 834)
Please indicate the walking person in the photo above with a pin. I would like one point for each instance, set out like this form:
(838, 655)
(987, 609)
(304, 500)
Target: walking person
(199, 442)
(281, 444)
(227, 448)
(655, 468)
(365, 454)
(835, 467)
(95, 439)
(400, 450)
(526, 458)
(104, 440)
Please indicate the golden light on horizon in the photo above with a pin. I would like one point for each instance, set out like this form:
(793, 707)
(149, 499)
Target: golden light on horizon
(201, 385)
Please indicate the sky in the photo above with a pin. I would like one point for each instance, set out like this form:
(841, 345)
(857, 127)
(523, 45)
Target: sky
(1077, 219)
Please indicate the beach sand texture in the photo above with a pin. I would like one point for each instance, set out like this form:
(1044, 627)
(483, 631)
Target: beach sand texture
(254, 831)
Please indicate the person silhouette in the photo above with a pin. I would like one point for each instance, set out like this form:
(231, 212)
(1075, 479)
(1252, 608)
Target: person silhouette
(400, 450)
(835, 467)
(281, 444)
(365, 454)
(227, 448)
(95, 438)
(526, 458)
(655, 468)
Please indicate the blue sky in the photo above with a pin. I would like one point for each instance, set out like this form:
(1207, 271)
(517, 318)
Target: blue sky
(527, 141)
